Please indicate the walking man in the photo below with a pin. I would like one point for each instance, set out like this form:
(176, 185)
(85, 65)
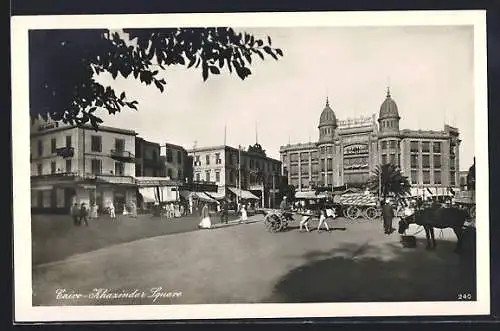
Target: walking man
(388, 215)
(75, 214)
(84, 213)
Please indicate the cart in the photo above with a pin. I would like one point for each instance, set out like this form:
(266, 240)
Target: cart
(356, 205)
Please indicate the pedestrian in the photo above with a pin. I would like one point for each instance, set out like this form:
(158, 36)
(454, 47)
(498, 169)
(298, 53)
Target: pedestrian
(387, 215)
(223, 215)
(84, 212)
(182, 210)
(305, 220)
(322, 220)
(244, 215)
(205, 223)
(112, 214)
(75, 214)
(133, 209)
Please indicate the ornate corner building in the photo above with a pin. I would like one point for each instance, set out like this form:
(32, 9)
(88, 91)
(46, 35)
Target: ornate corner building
(348, 151)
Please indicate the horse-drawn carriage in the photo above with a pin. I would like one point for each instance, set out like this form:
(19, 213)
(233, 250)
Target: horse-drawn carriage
(466, 200)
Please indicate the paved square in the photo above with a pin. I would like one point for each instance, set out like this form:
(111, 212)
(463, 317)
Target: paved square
(246, 264)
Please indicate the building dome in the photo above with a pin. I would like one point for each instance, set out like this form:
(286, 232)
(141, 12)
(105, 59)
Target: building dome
(327, 116)
(389, 108)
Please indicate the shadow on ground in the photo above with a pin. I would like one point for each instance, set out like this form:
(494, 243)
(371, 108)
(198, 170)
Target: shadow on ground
(379, 273)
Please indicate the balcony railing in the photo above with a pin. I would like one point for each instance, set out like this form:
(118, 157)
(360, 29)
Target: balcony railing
(122, 156)
(65, 152)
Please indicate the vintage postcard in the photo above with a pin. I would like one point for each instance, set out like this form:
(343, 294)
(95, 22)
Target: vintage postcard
(252, 165)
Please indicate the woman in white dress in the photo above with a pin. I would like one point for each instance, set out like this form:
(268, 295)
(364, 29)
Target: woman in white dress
(205, 223)
(244, 215)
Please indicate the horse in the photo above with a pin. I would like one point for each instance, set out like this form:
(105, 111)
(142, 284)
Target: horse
(437, 217)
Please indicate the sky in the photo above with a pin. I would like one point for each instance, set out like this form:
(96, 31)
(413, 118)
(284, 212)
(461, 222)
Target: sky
(429, 71)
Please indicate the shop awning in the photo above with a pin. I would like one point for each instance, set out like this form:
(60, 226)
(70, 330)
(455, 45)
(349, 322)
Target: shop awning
(216, 195)
(148, 194)
(244, 194)
(203, 197)
(185, 194)
(156, 181)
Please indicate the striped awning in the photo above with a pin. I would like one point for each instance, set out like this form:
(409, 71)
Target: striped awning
(244, 194)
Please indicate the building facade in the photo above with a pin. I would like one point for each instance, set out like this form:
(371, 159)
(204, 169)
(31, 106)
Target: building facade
(79, 164)
(224, 164)
(348, 151)
(147, 159)
(176, 163)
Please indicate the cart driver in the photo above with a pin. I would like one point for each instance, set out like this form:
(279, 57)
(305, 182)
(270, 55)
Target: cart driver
(285, 207)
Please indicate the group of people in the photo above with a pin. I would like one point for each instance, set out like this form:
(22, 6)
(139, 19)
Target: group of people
(307, 214)
(223, 211)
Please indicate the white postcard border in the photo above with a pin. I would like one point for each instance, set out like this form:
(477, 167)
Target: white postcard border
(25, 312)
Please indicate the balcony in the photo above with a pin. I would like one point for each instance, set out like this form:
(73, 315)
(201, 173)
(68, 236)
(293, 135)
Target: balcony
(122, 156)
(65, 152)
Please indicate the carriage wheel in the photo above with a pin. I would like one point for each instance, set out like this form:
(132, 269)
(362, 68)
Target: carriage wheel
(270, 222)
(345, 209)
(371, 213)
(472, 212)
(353, 212)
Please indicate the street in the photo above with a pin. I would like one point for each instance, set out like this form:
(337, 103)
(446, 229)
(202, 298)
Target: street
(246, 264)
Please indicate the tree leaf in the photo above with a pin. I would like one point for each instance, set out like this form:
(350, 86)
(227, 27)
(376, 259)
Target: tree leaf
(205, 71)
(192, 62)
(214, 70)
(279, 51)
(159, 85)
(269, 40)
(122, 95)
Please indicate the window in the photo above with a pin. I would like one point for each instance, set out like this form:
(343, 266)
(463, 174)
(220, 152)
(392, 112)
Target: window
(436, 147)
(329, 150)
(207, 158)
(197, 160)
(198, 177)
(437, 161)
(96, 144)
(330, 164)
(179, 157)
(414, 161)
(392, 144)
(315, 169)
(425, 147)
(426, 163)
(414, 146)
(119, 168)
(207, 176)
(52, 167)
(68, 165)
(68, 141)
(39, 169)
(304, 169)
(96, 166)
(392, 159)
(138, 170)
(314, 155)
(40, 148)
(294, 157)
(384, 159)
(294, 170)
(217, 176)
(53, 146)
(119, 145)
(437, 177)
(452, 178)
(169, 173)
(426, 176)
(452, 163)
(384, 145)
(304, 157)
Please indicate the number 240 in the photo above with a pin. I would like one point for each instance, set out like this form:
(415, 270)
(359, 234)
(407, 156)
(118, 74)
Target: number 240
(465, 296)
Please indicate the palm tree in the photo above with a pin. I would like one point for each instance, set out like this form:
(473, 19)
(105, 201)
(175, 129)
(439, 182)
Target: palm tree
(386, 179)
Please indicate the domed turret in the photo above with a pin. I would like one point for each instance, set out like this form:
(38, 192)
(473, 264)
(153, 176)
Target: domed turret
(327, 123)
(388, 118)
(389, 108)
(327, 117)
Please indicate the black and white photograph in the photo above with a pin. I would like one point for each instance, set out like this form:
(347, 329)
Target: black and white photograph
(251, 165)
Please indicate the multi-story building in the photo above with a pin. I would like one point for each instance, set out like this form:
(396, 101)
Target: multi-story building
(80, 164)
(347, 152)
(147, 159)
(223, 165)
(176, 163)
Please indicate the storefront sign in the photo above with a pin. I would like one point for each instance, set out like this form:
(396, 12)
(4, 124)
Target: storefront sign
(48, 126)
(356, 149)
